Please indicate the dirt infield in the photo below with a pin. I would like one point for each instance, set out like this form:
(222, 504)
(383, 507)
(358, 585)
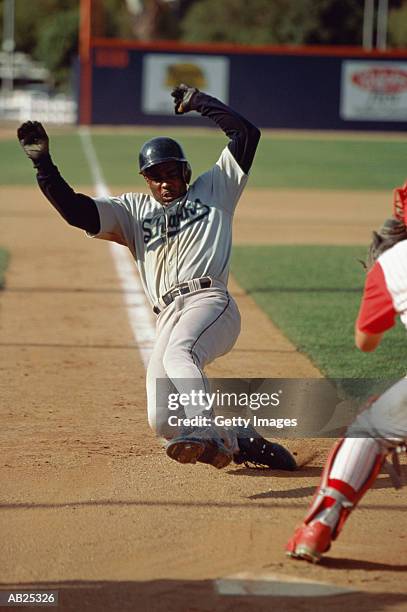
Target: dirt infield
(91, 505)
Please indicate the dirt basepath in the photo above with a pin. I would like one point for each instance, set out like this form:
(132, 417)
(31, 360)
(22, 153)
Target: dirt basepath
(283, 216)
(91, 506)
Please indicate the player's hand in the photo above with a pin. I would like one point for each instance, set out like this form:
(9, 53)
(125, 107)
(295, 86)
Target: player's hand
(34, 140)
(184, 98)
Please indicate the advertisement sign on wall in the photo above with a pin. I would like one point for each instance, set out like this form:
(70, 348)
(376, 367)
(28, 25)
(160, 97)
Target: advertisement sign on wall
(374, 91)
(162, 72)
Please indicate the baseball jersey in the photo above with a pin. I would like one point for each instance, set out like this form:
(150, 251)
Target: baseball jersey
(189, 238)
(385, 293)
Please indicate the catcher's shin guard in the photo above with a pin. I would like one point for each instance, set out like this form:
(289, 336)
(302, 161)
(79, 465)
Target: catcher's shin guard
(332, 503)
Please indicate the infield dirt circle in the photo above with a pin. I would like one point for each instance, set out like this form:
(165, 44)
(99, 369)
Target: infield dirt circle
(91, 505)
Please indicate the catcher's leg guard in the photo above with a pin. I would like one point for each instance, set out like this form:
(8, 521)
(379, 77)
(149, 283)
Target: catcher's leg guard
(333, 502)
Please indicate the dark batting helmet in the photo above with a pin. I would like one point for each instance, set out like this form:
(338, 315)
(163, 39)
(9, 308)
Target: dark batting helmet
(159, 150)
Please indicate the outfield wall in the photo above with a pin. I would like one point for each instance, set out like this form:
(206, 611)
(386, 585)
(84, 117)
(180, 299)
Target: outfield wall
(298, 87)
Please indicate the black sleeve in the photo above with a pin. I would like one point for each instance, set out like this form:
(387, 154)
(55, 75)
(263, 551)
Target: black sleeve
(244, 136)
(77, 209)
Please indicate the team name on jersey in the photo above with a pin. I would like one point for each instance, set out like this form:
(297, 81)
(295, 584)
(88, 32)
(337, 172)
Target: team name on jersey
(154, 226)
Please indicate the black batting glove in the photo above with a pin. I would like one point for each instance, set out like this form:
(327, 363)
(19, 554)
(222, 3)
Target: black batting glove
(184, 98)
(34, 140)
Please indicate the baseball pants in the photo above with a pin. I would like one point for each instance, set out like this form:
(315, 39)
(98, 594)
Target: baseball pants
(380, 427)
(191, 332)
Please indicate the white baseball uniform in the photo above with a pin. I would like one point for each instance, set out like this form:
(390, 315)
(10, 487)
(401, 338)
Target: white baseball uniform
(190, 238)
(182, 251)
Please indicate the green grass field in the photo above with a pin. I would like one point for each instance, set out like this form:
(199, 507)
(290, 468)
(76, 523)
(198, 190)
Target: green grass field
(3, 266)
(312, 293)
(281, 162)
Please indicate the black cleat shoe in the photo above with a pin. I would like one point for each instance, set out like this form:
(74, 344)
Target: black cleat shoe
(256, 451)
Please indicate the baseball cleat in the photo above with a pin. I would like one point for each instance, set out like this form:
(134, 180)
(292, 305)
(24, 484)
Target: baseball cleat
(216, 455)
(259, 452)
(200, 444)
(185, 451)
(309, 542)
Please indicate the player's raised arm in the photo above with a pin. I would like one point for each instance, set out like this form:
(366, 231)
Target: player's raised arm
(244, 136)
(77, 209)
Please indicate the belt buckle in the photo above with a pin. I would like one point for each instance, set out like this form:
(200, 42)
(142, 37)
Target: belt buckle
(167, 298)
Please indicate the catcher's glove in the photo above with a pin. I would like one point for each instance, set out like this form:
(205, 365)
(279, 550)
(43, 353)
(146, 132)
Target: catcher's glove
(256, 451)
(392, 231)
(183, 98)
(400, 202)
(34, 140)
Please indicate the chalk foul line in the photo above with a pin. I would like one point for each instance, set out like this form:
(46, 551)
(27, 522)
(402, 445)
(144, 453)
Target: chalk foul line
(138, 309)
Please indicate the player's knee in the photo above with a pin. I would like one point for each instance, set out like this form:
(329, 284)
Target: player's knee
(155, 426)
(159, 425)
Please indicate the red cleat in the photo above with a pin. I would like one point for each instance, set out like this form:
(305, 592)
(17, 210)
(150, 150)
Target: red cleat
(309, 542)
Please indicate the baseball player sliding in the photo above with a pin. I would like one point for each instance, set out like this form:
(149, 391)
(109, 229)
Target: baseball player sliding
(180, 236)
(355, 461)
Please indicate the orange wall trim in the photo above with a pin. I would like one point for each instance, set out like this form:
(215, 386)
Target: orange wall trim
(175, 46)
(85, 56)
(85, 100)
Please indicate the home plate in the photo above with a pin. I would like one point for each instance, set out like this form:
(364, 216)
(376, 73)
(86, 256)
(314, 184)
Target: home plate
(276, 585)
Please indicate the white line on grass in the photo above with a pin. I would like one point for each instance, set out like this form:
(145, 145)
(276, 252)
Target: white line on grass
(138, 310)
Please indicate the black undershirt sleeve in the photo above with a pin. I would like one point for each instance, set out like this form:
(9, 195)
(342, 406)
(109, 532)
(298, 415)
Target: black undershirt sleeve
(81, 211)
(77, 209)
(244, 136)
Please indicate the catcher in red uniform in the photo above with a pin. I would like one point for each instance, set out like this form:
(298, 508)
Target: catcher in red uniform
(355, 461)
